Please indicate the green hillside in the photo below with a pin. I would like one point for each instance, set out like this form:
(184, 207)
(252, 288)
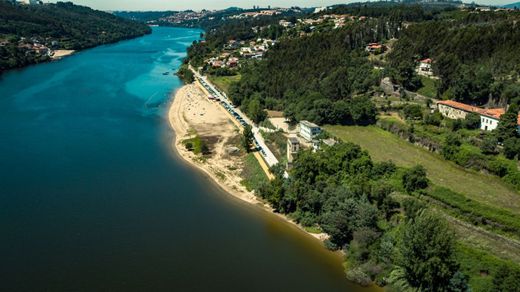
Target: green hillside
(56, 26)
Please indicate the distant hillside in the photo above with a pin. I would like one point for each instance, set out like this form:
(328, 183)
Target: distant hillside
(512, 5)
(29, 33)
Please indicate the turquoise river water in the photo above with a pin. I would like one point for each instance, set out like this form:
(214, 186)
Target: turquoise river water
(92, 197)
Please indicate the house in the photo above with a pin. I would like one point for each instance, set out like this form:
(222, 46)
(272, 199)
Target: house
(293, 146)
(455, 110)
(489, 118)
(232, 45)
(232, 62)
(217, 64)
(286, 23)
(425, 67)
(375, 48)
(309, 130)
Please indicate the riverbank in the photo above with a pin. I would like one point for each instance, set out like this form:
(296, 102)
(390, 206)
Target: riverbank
(58, 54)
(191, 114)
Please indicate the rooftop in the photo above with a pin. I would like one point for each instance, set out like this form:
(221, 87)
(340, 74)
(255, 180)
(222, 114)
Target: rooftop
(309, 124)
(494, 113)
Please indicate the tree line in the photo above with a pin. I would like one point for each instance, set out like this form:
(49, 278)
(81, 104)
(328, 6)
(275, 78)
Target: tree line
(474, 54)
(61, 26)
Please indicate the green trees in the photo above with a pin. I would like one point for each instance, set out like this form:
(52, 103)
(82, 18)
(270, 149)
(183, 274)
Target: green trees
(255, 111)
(472, 121)
(69, 26)
(321, 78)
(247, 138)
(427, 253)
(471, 65)
(186, 74)
(508, 126)
(415, 179)
(413, 112)
(506, 279)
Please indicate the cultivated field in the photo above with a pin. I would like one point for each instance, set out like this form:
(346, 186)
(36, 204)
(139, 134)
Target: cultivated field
(384, 146)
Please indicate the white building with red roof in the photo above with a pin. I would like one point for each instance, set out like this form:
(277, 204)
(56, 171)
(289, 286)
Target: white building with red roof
(425, 67)
(489, 118)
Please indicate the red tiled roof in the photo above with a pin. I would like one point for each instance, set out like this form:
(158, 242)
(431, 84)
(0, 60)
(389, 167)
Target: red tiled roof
(494, 113)
(460, 105)
(428, 60)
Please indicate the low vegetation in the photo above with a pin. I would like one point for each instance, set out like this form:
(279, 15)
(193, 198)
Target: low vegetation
(224, 82)
(473, 185)
(253, 174)
(196, 145)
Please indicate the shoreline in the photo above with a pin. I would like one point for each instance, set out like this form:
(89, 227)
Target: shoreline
(181, 126)
(59, 54)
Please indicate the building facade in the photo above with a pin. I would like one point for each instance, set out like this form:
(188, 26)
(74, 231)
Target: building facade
(309, 130)
(293, 146)
(489, 118)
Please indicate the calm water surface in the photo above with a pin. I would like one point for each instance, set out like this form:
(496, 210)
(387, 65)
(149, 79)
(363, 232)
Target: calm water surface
(92, 198)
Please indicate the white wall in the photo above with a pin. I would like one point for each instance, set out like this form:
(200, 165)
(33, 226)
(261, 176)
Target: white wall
(488, 124)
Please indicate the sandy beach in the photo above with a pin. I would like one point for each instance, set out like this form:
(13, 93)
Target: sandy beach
(58, 54)
(192, 112)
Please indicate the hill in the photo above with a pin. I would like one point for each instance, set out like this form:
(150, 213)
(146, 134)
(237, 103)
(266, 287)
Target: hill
(515, 5)
(29, 33)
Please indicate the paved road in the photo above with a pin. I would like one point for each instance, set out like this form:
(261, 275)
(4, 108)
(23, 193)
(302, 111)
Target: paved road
(268, 156)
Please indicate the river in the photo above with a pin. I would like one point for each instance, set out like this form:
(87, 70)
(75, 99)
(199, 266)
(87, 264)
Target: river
(92, 197)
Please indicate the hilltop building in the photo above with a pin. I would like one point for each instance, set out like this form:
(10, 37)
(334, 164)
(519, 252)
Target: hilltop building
(309, 130)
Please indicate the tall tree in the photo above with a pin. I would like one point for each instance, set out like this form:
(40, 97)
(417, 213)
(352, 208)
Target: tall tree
(508, 126)
(427, 252)
(247, 138)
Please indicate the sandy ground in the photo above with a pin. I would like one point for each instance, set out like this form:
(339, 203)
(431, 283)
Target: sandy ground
(58, 54)
(192, 112)
(281, 124)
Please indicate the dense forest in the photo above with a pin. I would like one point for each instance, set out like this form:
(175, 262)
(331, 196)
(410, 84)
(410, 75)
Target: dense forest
(58, 26)
(475, 55)
(394, 240)
(324, 77)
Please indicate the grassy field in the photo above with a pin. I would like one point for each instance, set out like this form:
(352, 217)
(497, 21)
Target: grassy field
(223, 82)
(253, 173)
(429, 89)
(384, 146)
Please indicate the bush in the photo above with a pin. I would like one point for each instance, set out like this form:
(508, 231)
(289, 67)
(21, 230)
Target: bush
(415, 179)
(413, 112)
(434, 119)
(489, 145)
(451, 146)
(357, 275)
(470, 157)
(500, 166)
(511, 147)
(472, 121)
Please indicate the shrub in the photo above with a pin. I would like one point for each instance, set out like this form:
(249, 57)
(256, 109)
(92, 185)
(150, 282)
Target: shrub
(489, 145)
(511, 147)
(501, 166)
(472, 121)
(470, 157)
(415, 179)
(434, 119)
(359, 276)
(413, 112)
